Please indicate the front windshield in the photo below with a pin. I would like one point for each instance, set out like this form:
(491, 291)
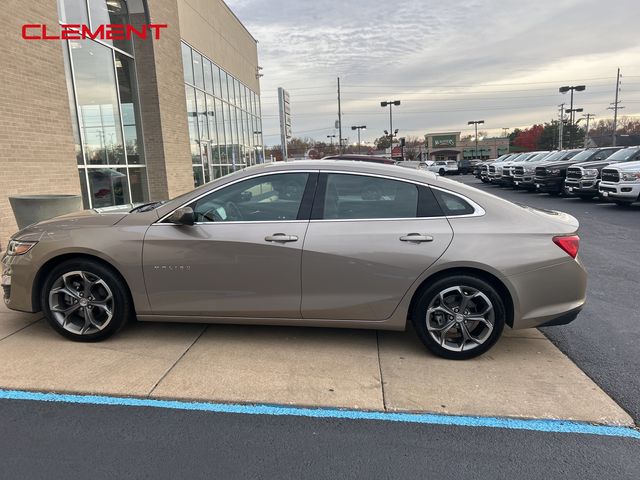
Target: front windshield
(623, 155)
(584, 155)
(537, 157)
(554, 156)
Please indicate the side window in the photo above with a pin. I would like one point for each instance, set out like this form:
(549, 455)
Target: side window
(362, 197)
(452, 204)
(266, 198)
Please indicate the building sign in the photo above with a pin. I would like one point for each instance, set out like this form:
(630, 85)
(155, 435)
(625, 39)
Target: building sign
(284, 107)
(77, 31)
(443, 141)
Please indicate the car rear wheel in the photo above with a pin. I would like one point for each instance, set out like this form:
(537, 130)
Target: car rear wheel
(442, 171)
(459, 317)
(85, 301)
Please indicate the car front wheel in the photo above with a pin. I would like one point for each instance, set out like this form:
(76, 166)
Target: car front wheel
(459, 317)
(85, 301)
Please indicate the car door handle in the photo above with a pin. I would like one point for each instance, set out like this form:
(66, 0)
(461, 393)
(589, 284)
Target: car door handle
(281, 237)
(416, 237)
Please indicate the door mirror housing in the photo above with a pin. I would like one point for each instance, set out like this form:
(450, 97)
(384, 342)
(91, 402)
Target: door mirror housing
(182, 216)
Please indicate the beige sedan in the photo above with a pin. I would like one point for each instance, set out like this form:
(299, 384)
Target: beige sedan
(318, 243)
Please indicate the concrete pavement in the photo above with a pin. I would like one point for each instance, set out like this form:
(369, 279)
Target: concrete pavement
(524, 375)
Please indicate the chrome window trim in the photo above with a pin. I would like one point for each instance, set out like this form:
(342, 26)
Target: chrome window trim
(478, 210)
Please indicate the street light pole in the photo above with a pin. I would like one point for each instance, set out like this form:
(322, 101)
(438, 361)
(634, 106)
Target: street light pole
(390, 103)
(563, 90)
(475, 123)
(359, 127)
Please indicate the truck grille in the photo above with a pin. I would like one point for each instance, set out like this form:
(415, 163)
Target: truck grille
(610, 175)
(506, 171)
(492, 169)
(541, 172)
(574, 172)
(518, 171)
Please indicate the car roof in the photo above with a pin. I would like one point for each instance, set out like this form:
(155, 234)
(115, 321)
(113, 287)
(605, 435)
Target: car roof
(360, 158)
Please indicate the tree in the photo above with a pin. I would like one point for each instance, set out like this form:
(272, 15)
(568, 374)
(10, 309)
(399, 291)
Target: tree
(528, 138)
(382, 143)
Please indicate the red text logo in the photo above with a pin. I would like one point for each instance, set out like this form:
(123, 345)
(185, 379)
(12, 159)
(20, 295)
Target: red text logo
(77, 31)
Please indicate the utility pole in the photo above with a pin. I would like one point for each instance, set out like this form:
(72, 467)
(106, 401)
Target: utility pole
(476, 123)
(339, 117)
(615, 106)
(588, 116)
(560, 126)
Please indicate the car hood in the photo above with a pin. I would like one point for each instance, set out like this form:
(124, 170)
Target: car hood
(555, 164)
(84, 218)
(626, 166)
(593, 163)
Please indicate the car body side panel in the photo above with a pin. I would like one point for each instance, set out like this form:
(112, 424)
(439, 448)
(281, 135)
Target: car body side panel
(224, 269)
(360, 270)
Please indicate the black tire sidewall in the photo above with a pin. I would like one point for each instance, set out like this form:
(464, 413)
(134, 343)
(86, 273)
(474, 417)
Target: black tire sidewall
(121, 301)
(426, 296)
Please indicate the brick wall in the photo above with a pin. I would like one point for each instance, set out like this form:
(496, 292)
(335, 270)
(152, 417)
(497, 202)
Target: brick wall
(36, 141)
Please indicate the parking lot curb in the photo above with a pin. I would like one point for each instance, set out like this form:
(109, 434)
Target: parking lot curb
(538, 425)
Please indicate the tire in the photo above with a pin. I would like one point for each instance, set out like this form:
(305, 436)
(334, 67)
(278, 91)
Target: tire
(427, 311)
(100, 301)
(442, 171)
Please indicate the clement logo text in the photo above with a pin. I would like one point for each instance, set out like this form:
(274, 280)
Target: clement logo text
(78, 31)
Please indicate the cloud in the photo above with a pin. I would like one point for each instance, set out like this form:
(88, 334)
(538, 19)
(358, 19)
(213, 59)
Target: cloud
(448, 62)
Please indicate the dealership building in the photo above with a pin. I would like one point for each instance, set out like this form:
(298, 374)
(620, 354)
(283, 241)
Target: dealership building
(123, 119)
(450, 146)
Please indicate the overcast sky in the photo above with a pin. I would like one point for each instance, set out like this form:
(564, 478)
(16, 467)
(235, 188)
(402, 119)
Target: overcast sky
(448, 62)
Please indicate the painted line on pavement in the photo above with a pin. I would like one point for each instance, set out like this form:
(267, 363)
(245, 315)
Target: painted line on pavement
(550, 425)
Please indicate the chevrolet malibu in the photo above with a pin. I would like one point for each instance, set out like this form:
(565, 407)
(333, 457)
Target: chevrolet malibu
(317, 243)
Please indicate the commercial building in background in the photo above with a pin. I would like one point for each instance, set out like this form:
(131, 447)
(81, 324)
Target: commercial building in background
(124, 120)
(450, 146)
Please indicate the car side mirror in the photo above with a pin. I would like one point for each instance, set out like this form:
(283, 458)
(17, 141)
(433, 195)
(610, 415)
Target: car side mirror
(182, 216)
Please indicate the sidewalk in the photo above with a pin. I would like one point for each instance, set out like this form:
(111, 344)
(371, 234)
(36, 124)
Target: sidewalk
(524, 375)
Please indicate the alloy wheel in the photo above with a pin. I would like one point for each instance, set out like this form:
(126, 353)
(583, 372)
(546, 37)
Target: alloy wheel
(460, 318)
(81, 302)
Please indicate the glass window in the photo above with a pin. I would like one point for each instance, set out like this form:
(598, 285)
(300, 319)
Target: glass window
(198, 73)
(203, 126)
(217, 88)
(223, 85)
(98, 102)
(452, 204)
(266, 198)
(129, 105)
(198, 175)
(104, 12)
(138, 183)
(211, 118)
(208, 77)
(73, 11)
(72, 108)
(187, 64)
(82, 173)
(108, 186)
(361, 197)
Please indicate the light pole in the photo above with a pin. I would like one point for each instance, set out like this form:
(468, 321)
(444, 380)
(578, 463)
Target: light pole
(359, 127)
(588, 116)
(475, 123)
(571, 112)
(563, 90)
(331, 137)
(390, 103)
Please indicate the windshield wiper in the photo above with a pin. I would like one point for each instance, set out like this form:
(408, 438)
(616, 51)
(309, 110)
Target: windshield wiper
(146, 207)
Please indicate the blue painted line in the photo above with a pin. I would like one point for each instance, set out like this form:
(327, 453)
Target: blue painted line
(554, 426)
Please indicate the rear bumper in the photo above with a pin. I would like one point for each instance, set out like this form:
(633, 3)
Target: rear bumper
(626, 192)
(552, 295)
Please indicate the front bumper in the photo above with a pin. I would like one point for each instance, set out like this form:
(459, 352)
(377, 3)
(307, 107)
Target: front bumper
(624, 191)
(525, 180)
(549, 184)
(17, 282)
(582, 186)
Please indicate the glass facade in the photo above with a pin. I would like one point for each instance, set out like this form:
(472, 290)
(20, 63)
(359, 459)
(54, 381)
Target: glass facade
(103, 100)
(224, 119)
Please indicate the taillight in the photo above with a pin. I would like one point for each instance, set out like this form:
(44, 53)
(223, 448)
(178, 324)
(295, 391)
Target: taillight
(570, 244)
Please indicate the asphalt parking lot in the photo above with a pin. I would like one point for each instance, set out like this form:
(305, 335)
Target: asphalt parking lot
(604, 341)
